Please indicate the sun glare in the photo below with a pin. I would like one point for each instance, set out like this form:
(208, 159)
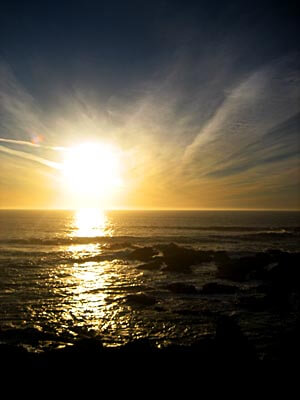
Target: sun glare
(89, 222)
(92, 170)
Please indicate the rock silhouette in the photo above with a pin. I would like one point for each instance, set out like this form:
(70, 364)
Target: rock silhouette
(141, 299)
(182, 288)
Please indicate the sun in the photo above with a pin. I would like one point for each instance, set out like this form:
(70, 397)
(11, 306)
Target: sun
(92, 170)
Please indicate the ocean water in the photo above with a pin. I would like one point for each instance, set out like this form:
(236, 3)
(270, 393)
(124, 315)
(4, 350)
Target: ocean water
(68, 274)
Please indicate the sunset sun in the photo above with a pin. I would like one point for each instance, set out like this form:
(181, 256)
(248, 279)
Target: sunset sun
(91, 169)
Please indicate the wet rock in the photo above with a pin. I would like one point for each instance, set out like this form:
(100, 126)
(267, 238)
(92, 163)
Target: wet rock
(289, 344)
(152, 265)
(143, 254)
(282, 280)
(180, 259)
(16, 359)
(237, 269)
(254, 303)
(191, 256)
(117, 255)
(233, 270)
(294, 301)
(170, 249)
(27, 335)
(232, 344)
(182, 288)
(87, 346)
(139, 346)
(221, 257)
(241, 269)
(203, 349)
(141, 299)
(218, 288)
(159, 309)
(177, 266)
(286, 273)
(117, 246)
(275, 252)
(11, 351)
(189, 313)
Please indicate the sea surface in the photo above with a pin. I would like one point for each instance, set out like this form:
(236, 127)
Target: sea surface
(66, 275)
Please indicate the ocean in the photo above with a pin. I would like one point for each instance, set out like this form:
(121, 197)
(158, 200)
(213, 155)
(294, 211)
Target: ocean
(122, 276)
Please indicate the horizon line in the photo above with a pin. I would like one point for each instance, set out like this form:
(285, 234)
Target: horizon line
(150, 209)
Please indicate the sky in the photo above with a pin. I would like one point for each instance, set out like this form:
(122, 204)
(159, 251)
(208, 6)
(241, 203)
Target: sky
(200, 100)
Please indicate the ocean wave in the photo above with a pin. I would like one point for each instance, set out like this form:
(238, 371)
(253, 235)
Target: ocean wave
(240, 233)
(64, 241)
(223, 228)
(257, 236)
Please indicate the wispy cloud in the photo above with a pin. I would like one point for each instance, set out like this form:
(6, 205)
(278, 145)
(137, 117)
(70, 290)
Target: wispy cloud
(21, 142)
(257, 124)
(30, 157)
(196, 135)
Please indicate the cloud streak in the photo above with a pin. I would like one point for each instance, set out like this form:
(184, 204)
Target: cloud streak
(257, 123)
(21, 142)
(30, 157)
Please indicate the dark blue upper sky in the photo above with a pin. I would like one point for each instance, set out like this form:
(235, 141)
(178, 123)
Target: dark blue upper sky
(115, 44)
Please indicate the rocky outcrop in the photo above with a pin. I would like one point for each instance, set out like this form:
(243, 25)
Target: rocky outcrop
(182, 288)
(154, 265)
(142, 254)
(218, 288)
(141, 299)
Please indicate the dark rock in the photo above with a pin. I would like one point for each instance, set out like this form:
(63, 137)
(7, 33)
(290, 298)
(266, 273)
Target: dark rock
(254, 303)
(274, 252)
(232, 344)
(139, 346)
(152, 265)
(294, 301)
(175, 265)
(26, 335)
(117, 246)
(239, 269)
(180, 259)
(282, 279)
(10, 350)
(170, 249)
(221, 257)
(159, 309)
(233, 269)
(289, 344)
(143, 254)
(252, 267)
(196, 256)
(182, 288)
(218, 288)
(203, 349)
(286, 273)
(189, 313)
(141, 299)
(87, 346)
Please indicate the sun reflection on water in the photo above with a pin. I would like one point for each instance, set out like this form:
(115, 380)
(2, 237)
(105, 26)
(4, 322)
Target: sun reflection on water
(95, 288)
(91, 222)
(89, 290)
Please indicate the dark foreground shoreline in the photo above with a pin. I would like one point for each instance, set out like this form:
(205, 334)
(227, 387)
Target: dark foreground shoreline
(229, 346)
(276, 275)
